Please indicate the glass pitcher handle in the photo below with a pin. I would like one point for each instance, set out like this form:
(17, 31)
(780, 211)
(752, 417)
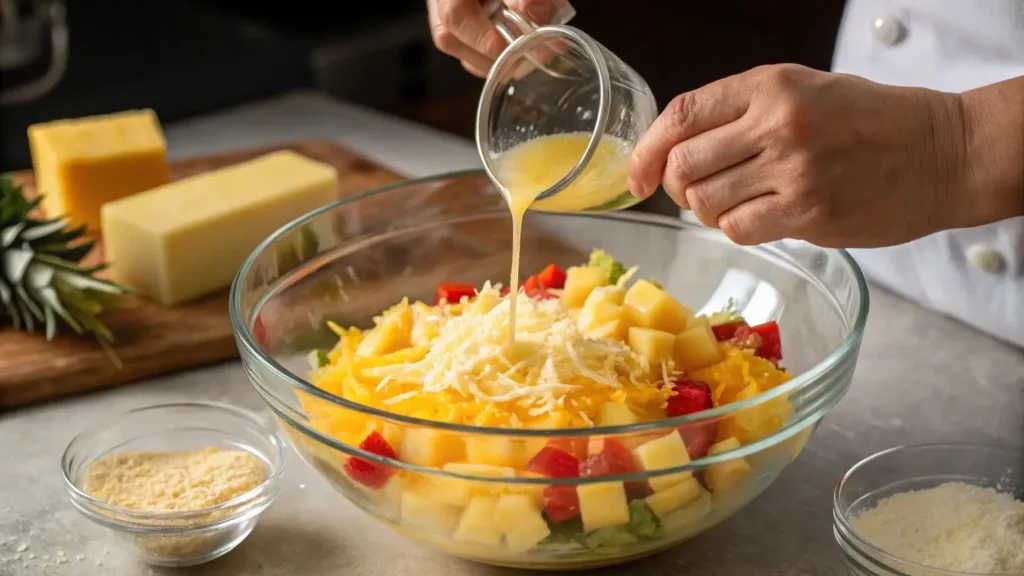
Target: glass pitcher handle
(512, 25)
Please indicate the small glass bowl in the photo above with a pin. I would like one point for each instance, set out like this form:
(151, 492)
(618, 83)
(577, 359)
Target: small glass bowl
(177, 538)
(918, 467)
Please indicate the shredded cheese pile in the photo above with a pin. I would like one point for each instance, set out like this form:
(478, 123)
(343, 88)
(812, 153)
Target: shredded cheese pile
(467, 372)
(953, 526)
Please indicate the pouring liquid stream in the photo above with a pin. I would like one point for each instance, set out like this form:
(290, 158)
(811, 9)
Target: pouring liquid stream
(529, 169)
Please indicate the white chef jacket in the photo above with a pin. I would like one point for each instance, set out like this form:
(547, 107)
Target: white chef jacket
(975, 275)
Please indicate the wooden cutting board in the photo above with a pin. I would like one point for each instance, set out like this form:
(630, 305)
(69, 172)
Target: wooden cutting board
(151, 339)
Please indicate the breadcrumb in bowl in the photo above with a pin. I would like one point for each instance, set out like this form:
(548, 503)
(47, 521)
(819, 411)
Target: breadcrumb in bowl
(176, 484)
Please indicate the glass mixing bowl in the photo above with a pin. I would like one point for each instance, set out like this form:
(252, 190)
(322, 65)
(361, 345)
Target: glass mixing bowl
(348, 261)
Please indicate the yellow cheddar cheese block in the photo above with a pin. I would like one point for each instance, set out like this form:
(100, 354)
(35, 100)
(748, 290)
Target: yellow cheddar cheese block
(188, 238)
(83, 163)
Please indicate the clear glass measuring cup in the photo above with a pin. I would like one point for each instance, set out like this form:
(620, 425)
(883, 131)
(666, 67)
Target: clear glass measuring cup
(560, 114)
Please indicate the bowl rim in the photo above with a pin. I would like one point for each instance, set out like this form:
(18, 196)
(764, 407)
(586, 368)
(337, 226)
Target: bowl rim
(245, 339)
(128, 517)
(846, 532)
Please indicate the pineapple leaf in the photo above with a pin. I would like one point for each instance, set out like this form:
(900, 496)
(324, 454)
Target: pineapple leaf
(42, 281)
(76, 253)
(42, 230)
(91, 324)
(26, 316)
(65, 236)
(10, 234)
(83, 282)
(53, 298)
(78, 299)
(29, 302)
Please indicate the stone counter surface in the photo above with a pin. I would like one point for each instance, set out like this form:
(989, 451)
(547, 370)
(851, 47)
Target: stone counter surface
(921, 378)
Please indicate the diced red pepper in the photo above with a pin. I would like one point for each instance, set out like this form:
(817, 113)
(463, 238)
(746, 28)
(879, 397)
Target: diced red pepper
(613, 459)
(532, 284)
(541, 295)
(771, 340)
(561, 503)
(728, 331)
(552, 277)
(554, 463)
(453, 293)
(577, 446)
(698, 438)
(259, 333)
(371, 474)
(691, 396)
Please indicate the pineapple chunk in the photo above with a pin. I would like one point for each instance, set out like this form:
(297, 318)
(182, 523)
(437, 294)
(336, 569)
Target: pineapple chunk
(607, 294)
(393, 433)
(674, 498)
(393, 332)
(655, 346)
(603, 504)
(485, 301)
(614, 330)
(698, 321)
(696, 348)
(725, 475)
(496, 451)
(387, 499)
(453, 491)
(474, 469)
(520, 519)
(479, 522)
(596, 313)
(669, 451)
(687, 519)
(425, 447)
(648, 306)
(580, 281)
(426, 323)
(615, 414)
(430, 515)
(758, 421)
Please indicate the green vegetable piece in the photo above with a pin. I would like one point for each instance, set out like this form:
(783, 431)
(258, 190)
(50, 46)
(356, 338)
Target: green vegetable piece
(610, 536)
(642, 522)
(613, 268)
(318, 359)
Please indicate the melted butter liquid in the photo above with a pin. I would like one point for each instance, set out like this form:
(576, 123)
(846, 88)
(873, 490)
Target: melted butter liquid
(533, 167)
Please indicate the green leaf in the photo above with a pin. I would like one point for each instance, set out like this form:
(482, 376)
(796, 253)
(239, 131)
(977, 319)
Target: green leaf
(83, 282)
(318, 359)
(51, 298)
(643, 523)
(91, 324)
(42, 230)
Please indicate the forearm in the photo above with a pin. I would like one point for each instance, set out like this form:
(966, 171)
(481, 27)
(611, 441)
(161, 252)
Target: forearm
(993, 166)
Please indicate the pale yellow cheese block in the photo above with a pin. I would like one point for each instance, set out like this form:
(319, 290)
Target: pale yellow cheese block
(188, 238)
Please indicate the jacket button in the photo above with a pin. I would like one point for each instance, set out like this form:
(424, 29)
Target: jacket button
(888, 29)
(985, 259)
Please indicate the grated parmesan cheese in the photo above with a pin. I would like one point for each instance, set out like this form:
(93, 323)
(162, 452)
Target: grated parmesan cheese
(164, 481)
(954, 526)
(551, 363)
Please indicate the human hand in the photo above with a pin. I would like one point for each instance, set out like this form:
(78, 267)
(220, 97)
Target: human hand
(790, 152)
(462, 30)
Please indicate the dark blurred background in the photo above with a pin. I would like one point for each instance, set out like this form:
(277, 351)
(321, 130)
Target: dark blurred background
(184, 58)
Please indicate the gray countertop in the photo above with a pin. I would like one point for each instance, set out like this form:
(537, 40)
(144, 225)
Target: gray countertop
(921, 378)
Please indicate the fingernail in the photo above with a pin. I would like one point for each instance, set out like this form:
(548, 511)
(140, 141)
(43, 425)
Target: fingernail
(635, 188)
